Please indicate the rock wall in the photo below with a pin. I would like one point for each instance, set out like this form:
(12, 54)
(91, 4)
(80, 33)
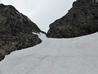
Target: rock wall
(81, 19)
(16, 31)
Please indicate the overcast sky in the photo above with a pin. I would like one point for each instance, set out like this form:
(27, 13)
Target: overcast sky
(42, 12)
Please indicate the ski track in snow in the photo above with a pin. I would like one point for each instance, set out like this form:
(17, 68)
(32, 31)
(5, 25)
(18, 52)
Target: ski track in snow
(55, 56)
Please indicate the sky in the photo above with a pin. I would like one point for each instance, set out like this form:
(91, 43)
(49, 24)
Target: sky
(41, 12)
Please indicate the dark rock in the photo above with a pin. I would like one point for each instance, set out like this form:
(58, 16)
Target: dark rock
(16, 31)
(1, 57)
(82, 19)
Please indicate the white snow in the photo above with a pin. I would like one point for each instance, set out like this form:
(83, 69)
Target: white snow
(52, 56)
(55, 56)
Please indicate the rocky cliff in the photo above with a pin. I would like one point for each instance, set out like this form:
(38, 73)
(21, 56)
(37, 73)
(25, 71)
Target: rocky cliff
(81, 19)
(16, 31)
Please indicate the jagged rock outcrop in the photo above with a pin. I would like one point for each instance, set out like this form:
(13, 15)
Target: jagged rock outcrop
(16, 31)
(82, 19)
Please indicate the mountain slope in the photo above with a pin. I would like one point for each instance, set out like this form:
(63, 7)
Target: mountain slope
(81, 19)
(16, 31)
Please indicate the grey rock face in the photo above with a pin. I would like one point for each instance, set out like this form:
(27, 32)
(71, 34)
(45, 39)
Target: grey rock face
(16, 31)
(82, 19)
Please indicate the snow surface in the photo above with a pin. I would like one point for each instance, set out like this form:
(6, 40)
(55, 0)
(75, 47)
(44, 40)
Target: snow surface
(55, 56)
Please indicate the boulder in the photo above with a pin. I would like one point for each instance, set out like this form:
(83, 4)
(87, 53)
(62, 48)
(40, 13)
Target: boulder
(81, 19)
